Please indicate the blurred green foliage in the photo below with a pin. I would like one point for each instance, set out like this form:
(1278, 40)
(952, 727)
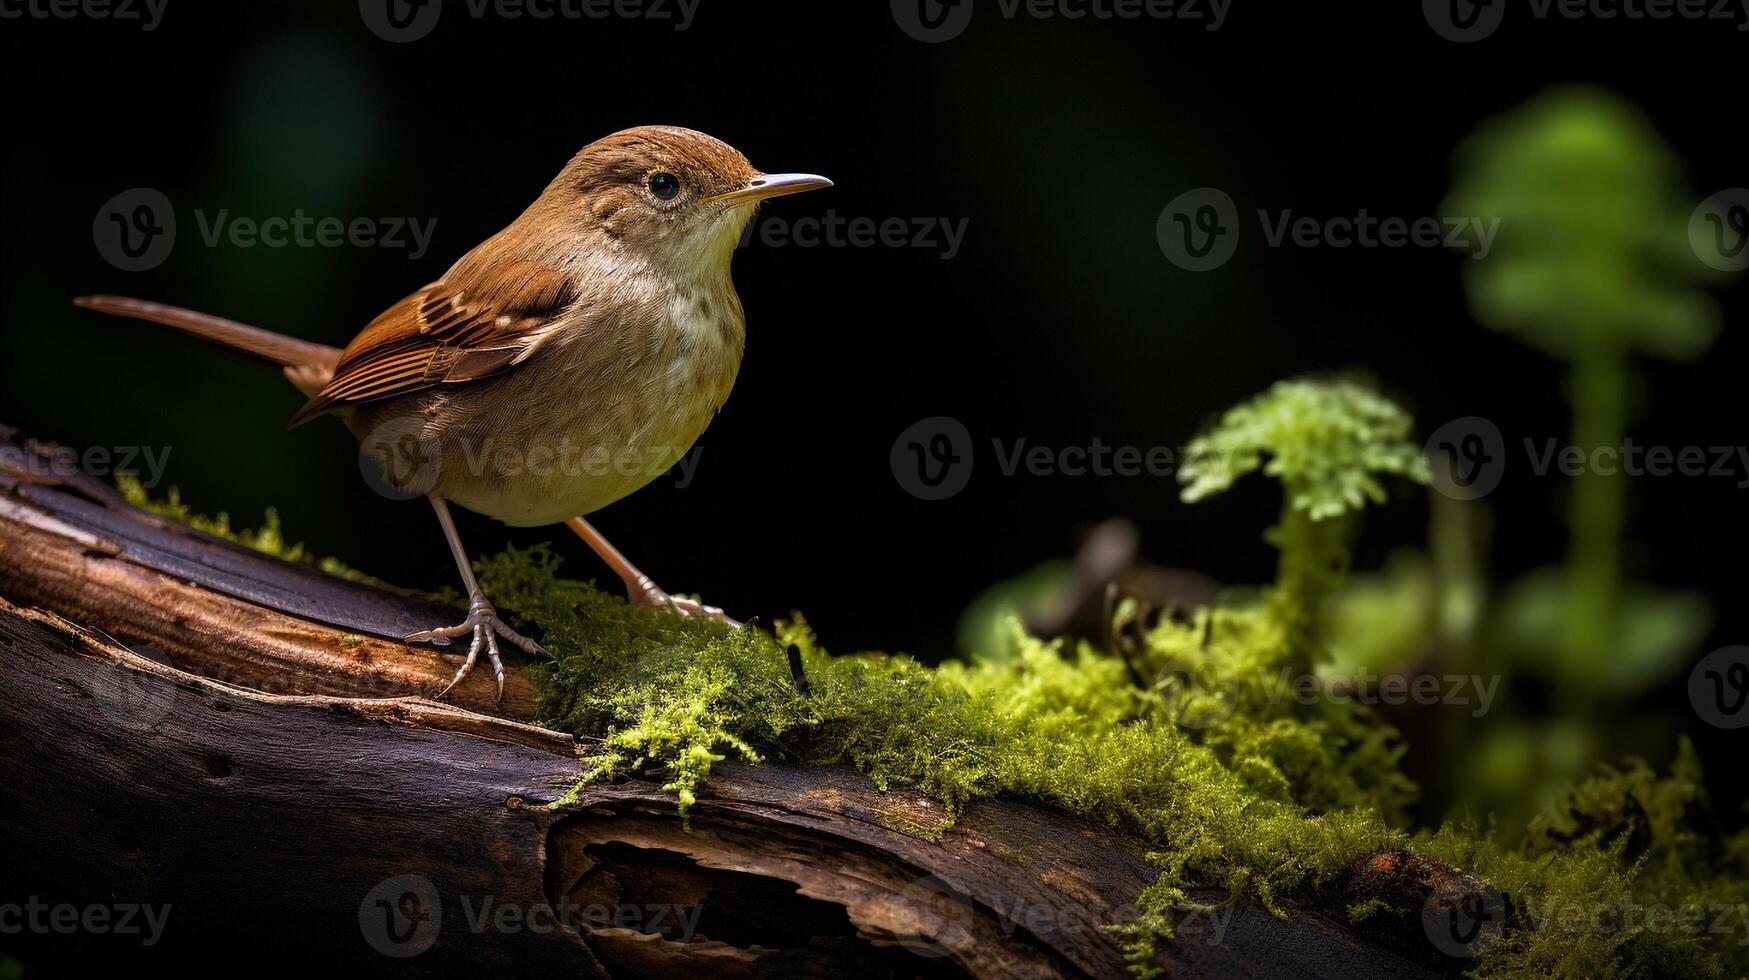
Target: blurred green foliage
(1592, 257)
(1592, 264)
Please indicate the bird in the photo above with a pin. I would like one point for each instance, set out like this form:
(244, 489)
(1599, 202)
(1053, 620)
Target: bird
(561, 364)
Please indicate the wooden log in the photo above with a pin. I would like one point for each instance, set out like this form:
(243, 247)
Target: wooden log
(190, 727)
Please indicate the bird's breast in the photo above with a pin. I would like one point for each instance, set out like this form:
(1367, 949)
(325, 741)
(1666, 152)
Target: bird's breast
(605, 409)
(708, 334)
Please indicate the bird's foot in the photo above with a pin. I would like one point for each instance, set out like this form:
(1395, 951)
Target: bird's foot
(485, 627)
(645, 594)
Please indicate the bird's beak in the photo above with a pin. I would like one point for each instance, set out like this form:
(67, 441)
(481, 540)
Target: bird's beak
(770, 185)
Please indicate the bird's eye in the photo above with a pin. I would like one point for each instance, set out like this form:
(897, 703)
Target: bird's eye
(664, 185)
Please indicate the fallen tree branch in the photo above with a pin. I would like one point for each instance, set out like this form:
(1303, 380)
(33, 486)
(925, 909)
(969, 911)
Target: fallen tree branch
(189, 725)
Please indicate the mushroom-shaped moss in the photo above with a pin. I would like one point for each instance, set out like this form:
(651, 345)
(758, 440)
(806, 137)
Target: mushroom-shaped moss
(1330, 444)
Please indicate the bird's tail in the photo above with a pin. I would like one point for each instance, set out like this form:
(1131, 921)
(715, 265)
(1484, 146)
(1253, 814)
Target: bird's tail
(307, 365)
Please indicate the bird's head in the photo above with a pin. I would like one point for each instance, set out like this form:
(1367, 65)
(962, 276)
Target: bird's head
(673, 197)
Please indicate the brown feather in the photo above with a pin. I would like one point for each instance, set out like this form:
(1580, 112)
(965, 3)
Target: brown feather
(476, 321)
(289, 352)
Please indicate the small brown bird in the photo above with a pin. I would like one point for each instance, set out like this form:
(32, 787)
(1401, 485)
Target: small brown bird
(563, 363)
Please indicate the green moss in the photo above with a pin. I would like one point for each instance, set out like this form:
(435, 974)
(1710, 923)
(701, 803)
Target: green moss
(902, 821)
(1626, 877)
(1359, 912)
(1232, 786)
(1225, 805)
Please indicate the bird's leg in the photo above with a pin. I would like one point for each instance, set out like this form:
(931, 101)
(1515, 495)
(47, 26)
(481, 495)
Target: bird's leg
(482, 623)
(639, 588)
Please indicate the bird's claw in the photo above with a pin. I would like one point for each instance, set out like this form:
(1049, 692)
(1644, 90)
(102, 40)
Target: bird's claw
(652, 597)
(485, 627)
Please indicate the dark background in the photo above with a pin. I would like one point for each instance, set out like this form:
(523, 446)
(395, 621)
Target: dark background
(1060, 321)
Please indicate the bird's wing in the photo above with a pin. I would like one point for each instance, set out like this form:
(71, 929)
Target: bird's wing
(460, 328)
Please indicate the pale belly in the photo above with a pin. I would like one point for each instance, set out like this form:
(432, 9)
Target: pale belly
(562, 435)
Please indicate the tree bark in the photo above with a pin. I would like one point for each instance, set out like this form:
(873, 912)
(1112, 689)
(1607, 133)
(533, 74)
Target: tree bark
(243, 746)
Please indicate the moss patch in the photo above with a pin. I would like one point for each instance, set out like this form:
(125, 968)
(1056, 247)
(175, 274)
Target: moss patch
(1232, 785)
(1223, 805)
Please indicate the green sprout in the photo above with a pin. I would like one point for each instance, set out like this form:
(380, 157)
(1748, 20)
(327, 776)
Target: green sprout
(1329, 443)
